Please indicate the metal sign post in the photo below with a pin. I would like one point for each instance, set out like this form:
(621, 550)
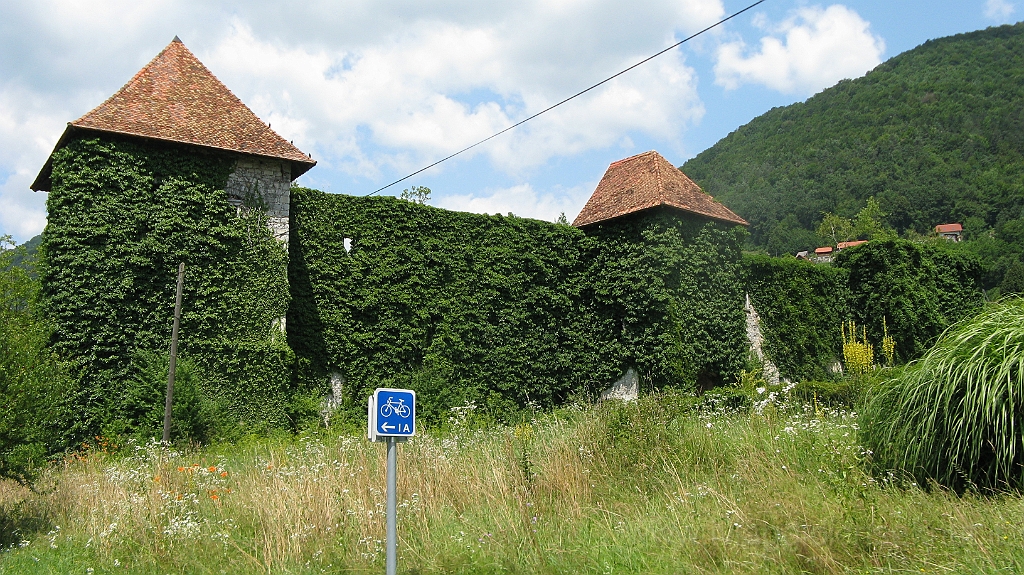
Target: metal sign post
(391, 417)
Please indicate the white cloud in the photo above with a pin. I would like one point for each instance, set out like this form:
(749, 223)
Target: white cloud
(524, 201)
(409, 99)
(817, 48)
(999, 10)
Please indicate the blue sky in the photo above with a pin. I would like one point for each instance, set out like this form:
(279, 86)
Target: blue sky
(375, 89)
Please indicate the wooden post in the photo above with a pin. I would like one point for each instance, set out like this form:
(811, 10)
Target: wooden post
(174, 355)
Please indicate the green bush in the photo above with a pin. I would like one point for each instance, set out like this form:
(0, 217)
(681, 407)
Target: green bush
(32, 380)
(917, 290)
(955, 415)
(195, 417)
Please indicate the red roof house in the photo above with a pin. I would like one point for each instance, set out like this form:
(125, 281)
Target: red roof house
(951, 232)
(175, 98)
(647, 181)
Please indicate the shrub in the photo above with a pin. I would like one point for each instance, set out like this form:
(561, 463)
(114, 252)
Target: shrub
(31, 378)
(909, 291)
(955, 415)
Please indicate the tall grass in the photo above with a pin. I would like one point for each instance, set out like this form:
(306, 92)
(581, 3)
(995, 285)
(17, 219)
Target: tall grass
(654, 486)
(954, 416)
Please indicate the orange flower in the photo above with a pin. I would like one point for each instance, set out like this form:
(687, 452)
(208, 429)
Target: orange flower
(156, 479)
(181, 469)
(214, 497)
(212, 469)
(223, 473)
(269, 466)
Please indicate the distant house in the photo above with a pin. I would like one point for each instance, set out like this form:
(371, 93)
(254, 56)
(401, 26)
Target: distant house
(804, 255)
(823, 254)
(843, 245)
(950, 232)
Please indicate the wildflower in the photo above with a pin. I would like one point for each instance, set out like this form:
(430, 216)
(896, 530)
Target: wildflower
(214, 497)
(212, 469)
(223, 473)
(156, 479)
(181, 470)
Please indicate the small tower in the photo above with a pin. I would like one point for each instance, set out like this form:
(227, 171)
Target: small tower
(175, 98)
(672, 255)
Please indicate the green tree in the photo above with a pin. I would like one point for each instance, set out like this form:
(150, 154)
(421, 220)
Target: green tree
(416, 194)
(1013, 281)
(31, 378)
(870, 223)
(834, 229)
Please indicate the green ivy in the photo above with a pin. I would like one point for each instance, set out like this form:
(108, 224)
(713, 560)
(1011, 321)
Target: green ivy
(917, 289)
(801, 306)
(506, 312)
(121, 215)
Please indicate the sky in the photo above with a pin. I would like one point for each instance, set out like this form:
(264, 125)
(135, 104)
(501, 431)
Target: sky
(377, 89)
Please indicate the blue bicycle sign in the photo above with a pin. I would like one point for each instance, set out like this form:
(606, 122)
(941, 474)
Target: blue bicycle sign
(391, 413)
(390, 408)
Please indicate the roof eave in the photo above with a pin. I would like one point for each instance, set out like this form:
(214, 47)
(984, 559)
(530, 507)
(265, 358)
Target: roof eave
(741, 221)
(43, 183)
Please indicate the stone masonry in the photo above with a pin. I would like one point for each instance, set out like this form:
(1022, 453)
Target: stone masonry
(268, 181)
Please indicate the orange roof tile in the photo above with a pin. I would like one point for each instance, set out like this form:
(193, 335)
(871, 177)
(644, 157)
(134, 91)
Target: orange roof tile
(176, 98)
(948, 228)
(646, 181)
(844, 245)
(823, 251)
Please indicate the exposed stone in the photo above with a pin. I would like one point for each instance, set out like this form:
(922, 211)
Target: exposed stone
(266, 182)
(332, 402)
(627, 388)
(756, 339)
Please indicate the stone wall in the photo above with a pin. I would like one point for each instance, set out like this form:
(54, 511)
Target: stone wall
(268, 180)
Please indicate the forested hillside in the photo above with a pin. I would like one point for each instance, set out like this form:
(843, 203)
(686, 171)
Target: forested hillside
(935, 134)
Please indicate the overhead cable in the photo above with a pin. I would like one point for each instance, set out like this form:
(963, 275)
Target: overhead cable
(576, 95)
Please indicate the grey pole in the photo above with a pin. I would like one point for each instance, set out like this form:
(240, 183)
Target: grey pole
(392, 543)
(174, 355)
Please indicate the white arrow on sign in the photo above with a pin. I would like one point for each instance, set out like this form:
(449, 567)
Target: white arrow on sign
(387, 427)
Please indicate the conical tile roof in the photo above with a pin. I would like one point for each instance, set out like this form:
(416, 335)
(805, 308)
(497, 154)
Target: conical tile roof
(646, 181)
(175, 98)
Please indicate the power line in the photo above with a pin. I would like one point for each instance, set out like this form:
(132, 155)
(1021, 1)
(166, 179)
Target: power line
(576, 95)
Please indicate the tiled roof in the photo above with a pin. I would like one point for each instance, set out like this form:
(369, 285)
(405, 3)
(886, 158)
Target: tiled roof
(646, 181)
(176, 98)
(844, 245)
(948, 228)
(823, 250)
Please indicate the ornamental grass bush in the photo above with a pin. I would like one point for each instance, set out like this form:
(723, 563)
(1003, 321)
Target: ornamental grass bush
(954, 417)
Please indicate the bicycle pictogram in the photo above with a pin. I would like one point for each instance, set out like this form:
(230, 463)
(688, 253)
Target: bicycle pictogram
(392, 407)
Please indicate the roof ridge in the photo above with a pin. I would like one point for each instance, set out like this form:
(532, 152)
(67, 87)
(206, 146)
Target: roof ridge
(634, 156)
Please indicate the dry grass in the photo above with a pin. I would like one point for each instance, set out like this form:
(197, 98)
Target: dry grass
(637, 489)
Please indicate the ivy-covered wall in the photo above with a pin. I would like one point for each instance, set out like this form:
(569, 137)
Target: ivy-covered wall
(920, 290)
(506, 311)
(121, 215)
(802, 306)
(917, 290)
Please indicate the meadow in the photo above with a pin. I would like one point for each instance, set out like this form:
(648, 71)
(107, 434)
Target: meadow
(667, 484)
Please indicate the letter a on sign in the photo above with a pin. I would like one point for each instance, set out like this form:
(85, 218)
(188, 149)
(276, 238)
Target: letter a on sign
(392, 413)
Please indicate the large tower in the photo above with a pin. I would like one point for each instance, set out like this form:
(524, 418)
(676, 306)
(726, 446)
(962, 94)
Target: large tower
(173, 168)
